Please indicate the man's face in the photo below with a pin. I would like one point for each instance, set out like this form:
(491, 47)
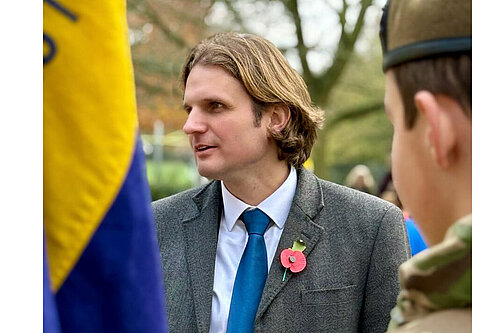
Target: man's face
(221, 126)
(409, 157)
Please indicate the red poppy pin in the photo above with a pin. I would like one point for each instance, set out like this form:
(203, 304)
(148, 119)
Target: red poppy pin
(294, 258)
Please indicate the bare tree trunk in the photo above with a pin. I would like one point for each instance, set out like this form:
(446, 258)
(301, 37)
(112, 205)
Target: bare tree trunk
(320, 86)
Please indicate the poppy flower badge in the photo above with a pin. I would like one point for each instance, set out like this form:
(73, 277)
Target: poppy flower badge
(293, 258)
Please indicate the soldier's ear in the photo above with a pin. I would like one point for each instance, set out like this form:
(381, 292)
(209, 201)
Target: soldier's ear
(279, 117)
(440, 133)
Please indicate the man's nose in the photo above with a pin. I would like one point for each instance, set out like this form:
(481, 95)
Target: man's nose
(195, 122)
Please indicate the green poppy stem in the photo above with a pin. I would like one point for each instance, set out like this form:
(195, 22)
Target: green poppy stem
(284, 275)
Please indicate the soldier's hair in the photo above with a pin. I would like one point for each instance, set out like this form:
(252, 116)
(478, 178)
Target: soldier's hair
(447, 75)
(268, 79)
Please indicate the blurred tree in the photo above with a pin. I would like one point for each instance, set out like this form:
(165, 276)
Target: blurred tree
(161, 34)
(332, 43)
(310, 44)
(359, 132)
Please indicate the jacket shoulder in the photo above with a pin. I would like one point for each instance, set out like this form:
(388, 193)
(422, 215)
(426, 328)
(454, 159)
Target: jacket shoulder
(179, 203)
(358, 213)
(348, 197)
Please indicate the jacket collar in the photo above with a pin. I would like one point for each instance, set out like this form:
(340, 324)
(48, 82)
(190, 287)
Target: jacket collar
(201, 227)
(307, 203)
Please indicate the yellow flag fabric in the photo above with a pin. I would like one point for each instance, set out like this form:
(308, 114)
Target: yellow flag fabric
(88, 89)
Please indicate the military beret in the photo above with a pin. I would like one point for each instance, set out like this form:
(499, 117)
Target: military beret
(416, 29)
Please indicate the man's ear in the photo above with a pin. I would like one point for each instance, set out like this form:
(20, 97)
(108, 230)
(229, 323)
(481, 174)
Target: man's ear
(279, 117)
(440, 133)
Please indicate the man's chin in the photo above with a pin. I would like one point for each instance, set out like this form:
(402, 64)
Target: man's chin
(208, 173)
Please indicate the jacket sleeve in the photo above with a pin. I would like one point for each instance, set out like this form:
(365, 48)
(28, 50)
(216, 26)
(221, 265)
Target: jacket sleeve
(391, 248)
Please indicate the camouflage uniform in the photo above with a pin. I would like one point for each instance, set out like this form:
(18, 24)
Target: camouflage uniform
(436, 286)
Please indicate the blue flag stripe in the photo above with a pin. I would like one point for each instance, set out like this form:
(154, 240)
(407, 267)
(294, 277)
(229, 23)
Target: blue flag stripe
(116, 285)
(50, 316)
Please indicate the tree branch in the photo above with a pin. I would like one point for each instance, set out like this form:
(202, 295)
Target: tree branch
(361, 19)
(150, 12)
(342, 14)
(183, 16)
(301, 47)
(361, 89)
(168, 69)
(346, 45)
(352, 113)
(237, 17)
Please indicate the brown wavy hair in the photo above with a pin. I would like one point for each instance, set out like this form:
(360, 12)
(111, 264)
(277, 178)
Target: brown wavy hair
(448, 75)
(268, 79)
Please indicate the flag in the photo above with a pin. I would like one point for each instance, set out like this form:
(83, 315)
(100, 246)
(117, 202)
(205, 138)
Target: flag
(50, 317)
(103, 267)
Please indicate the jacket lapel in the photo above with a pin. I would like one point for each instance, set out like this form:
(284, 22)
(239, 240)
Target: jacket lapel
(201, 233)
(308, 201)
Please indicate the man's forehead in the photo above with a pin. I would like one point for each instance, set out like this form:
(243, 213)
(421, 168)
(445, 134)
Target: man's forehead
(204, 94)
(210, 82)
(212, 75)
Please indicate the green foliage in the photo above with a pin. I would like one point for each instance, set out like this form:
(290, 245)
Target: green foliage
(169, 177)
(364, 139)
(360, 140)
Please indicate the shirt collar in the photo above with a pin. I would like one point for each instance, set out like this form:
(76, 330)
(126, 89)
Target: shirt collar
(276, 206)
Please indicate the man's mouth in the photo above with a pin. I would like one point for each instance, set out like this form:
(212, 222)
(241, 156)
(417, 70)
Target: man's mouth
(201, 147)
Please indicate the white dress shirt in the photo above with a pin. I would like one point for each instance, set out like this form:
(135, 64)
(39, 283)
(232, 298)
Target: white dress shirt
(233, 238)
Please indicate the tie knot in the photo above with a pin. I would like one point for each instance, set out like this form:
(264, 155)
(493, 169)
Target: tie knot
(256, 221)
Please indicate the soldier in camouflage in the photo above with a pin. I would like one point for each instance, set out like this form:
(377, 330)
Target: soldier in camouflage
(427, 49)
(438, 279)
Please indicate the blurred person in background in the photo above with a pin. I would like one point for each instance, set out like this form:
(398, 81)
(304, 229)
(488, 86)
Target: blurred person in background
(266, 245)
(360, 178)
(427, 48)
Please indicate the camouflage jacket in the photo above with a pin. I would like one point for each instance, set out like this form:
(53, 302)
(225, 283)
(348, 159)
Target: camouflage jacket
(436, 285)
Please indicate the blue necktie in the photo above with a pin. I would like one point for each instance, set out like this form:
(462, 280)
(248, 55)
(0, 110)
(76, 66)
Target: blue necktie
(251, 275)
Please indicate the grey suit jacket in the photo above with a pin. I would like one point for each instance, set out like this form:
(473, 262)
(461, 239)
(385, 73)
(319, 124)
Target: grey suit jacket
(355, 243)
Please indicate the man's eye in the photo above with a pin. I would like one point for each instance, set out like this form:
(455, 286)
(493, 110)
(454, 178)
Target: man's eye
(216, 105)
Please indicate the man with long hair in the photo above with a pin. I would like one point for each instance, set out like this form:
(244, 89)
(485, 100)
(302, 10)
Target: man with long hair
(266, 245)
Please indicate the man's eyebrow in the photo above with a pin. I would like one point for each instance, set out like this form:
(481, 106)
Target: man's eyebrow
(213, 98)
(208, 99)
